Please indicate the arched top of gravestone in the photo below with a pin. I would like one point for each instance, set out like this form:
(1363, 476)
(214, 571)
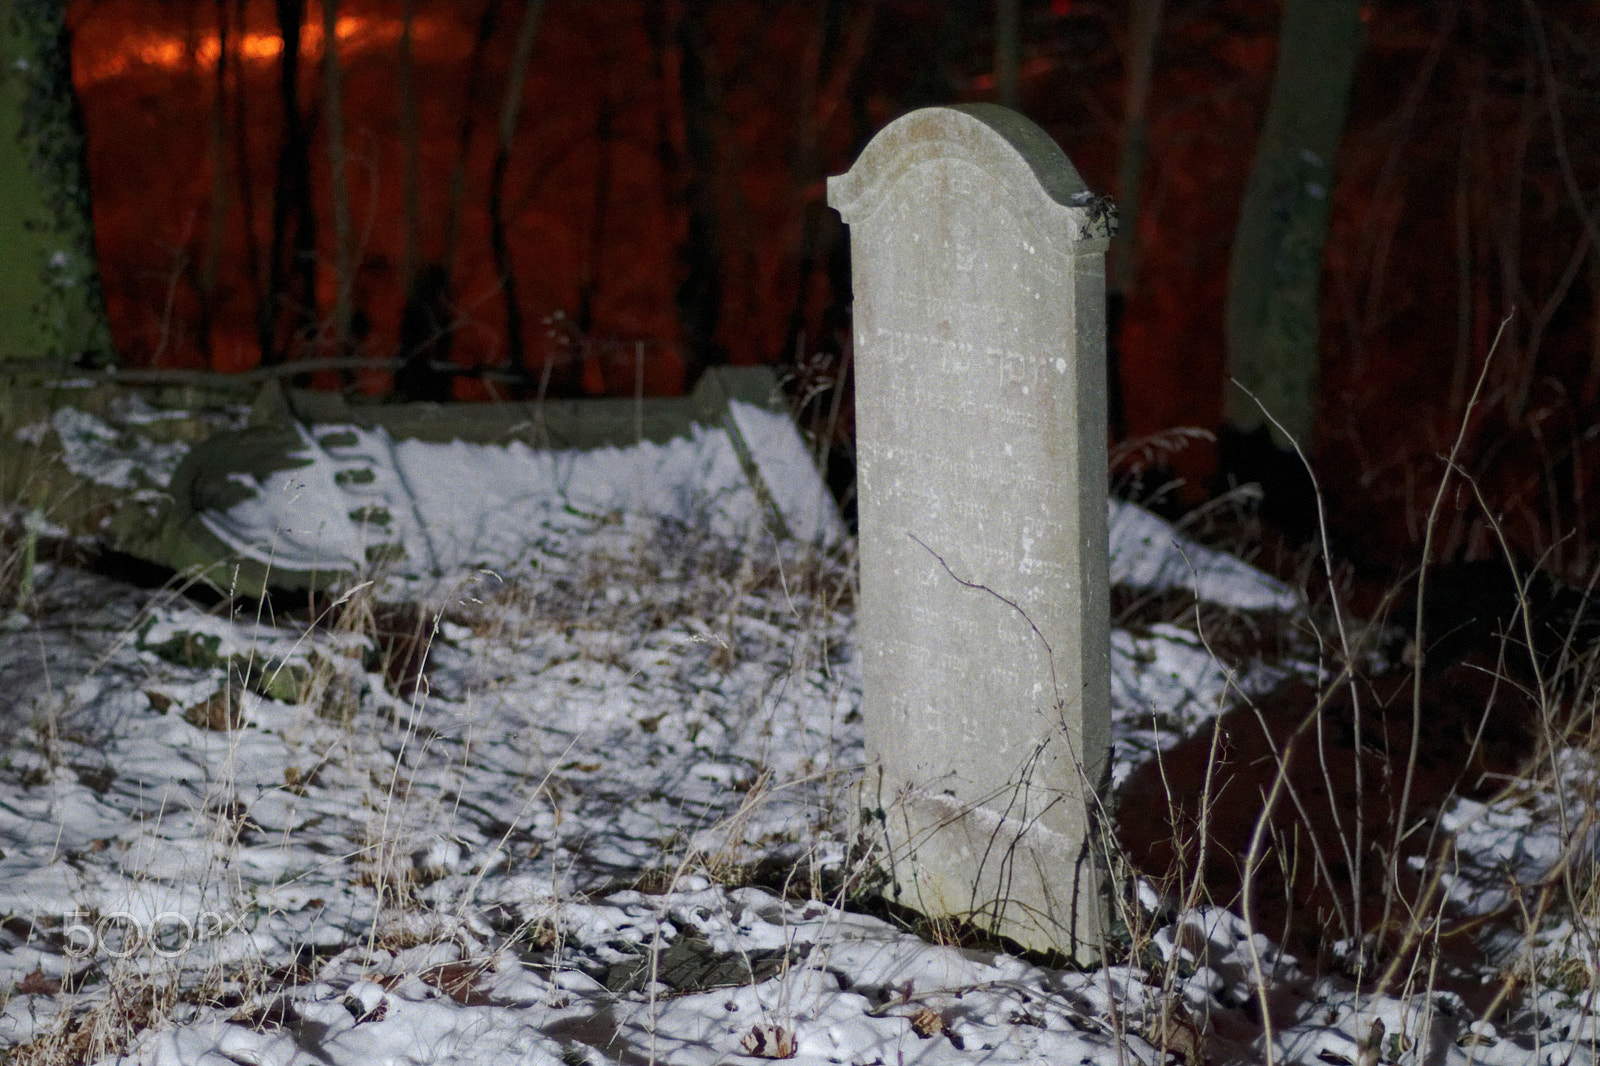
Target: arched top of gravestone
(1016, 154)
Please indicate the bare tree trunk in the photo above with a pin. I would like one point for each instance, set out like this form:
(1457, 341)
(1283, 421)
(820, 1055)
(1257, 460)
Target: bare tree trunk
(1469, 309)
(1274, 284)
(1007, 51)
(699, 294)
(259, 269)
(426, 331)
(589, 286)
(427, 318)
(516, 82)
(1144, 24)
(458, 177)
(218, 205)
(410, 136)
(50, 300)
(828, 66)
(292, 272)
(344, 246)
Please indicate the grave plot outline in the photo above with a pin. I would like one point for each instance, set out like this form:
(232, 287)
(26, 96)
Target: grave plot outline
(978, 269)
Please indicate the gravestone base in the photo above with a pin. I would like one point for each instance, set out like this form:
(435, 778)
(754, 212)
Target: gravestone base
(1046, 890)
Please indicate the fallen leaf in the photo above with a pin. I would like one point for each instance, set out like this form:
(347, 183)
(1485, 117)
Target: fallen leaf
(766, 1040)
(37, 984)
(927, 1022)
(219, 712)
(1176, 1032)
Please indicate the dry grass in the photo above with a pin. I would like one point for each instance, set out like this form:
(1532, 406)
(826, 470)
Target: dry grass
(1523, 701)
(356, 645)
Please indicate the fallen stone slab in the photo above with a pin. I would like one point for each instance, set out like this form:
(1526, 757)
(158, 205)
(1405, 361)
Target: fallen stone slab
(303, 491)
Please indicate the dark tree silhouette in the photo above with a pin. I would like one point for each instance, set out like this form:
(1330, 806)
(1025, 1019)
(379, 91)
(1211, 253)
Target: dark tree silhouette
(425, 332)
(292, 266)
(516, 81)
(50, 300)
(1274, 287)
(699, 293)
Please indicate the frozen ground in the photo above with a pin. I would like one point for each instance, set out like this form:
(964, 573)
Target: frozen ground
(615, 820)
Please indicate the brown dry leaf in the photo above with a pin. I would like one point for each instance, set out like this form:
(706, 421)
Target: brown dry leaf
(1175, 1032)
(459, 981)
(37, 984)
(767, 1040)
(218, 712)
(927, 1022)
(1372, 1046)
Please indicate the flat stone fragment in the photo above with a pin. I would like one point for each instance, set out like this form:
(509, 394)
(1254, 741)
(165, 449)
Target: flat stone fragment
(978, 267)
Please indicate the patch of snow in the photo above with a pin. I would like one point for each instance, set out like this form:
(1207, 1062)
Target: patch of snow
(433, 510)
(788, 473)
(1164, 686)
(626, 691)
(99, 453)
(1149, 554)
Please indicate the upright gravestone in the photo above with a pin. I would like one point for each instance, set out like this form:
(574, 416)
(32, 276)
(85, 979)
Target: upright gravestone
(978, 265)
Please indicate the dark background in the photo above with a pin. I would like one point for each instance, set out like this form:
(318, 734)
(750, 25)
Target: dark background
(662, 193)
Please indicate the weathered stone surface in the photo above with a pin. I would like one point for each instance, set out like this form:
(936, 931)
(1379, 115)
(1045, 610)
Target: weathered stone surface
(155, 471)
(978, 260)
(348, 453)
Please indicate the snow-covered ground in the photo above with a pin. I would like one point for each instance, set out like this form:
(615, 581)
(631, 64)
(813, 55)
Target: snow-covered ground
(615, 820)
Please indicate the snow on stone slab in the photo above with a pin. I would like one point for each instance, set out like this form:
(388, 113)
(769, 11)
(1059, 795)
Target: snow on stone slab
(1147, 553)
(788, 473)
(432, 509)
(102, 453)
